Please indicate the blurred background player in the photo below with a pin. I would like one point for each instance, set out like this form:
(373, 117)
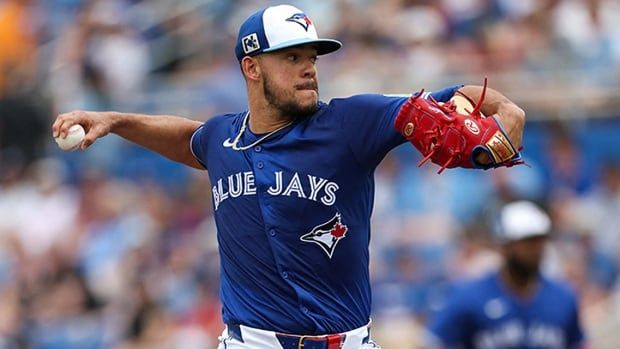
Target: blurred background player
(516, 306)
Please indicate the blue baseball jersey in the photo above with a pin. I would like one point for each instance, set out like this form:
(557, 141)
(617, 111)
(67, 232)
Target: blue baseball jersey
(484, 314)
(293, 213)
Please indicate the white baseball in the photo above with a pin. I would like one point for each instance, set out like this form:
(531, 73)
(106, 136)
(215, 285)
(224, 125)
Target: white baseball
(74, 138)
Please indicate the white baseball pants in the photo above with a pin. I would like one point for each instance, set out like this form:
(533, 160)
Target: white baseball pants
(253, 338)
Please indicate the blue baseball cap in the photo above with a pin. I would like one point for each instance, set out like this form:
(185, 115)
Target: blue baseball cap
(279, 27)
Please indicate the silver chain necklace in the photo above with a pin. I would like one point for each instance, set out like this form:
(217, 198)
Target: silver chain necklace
(244, 125)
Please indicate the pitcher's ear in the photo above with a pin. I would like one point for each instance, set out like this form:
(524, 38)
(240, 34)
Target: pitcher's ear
(250, 68)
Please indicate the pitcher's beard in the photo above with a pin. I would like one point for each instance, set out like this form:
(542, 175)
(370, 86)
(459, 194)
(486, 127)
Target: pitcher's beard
(520, 272)
(287, 107)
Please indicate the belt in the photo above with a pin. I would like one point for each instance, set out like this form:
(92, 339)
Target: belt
(332, 341)
(288, 341)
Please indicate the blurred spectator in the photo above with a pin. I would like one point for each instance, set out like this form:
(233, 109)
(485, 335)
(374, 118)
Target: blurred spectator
(46, 196)
(18, 42)
(597, 216)
(23, 111)
(568, 172)
(23, 127)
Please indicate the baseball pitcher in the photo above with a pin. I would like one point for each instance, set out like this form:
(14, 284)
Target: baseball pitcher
(292, 180)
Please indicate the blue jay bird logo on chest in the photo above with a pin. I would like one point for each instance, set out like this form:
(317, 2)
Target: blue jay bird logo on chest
(327, 235)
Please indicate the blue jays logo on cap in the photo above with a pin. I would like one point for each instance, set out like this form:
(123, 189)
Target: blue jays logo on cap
(301, 19)
(328, 234)
(279, 27)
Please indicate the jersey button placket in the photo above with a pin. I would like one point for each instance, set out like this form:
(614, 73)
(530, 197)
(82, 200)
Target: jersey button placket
(284, 275)
(258, 148)
(260, 165)
(272, 232)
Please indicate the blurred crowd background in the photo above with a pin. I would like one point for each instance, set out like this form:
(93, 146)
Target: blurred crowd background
(115, 247)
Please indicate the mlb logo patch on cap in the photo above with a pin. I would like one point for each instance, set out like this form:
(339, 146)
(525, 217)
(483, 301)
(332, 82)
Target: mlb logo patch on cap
(279, 27)
(250, 43)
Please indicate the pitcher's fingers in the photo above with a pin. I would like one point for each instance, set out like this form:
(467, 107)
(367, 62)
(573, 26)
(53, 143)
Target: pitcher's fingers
(91, 136)
(64, 122)
(57, 125)
(62, 127)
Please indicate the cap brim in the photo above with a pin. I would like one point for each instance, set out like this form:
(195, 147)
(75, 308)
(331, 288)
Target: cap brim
(324, 46)
(508, 239)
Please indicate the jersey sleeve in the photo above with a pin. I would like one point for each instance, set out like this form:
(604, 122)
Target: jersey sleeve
(198, 144)
(368, 123)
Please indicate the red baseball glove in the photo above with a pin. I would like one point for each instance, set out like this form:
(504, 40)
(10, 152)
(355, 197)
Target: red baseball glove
(451, 138)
